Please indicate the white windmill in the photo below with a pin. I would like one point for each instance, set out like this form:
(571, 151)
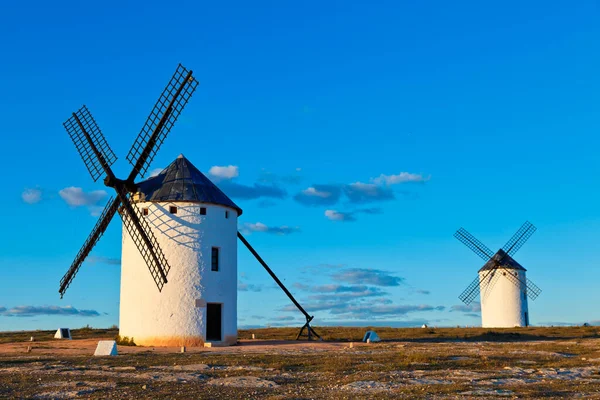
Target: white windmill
(502, 281)
(178, 225)
(195, 224)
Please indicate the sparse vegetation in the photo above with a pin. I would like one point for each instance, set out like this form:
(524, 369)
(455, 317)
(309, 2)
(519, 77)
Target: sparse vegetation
(124, 341)
(41, 336)
(431, 333)
(409, 363)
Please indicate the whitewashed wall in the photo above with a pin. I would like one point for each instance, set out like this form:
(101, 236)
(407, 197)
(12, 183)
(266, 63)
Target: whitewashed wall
(177, 315)
(503, 303)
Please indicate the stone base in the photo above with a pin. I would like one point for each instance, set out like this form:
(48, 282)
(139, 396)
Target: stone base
(179, 341)
(229, 341)
(169, 341)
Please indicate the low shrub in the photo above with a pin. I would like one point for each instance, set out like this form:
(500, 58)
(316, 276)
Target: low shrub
(124, 341)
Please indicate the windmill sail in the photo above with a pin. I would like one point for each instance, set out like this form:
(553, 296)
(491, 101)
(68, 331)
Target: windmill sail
(99, 157)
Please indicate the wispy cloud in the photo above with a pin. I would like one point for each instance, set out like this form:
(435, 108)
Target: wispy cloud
(31, 311)
(378, 190)
(361, 193)
(31, 196)
(367, 276)
(365, 310)
(474, 307)
(422, 291)
(249, 192)
(393, 323)
(155, 172)
(355, 294)
(284, 318)
(224, 172)
(76, 197)
(340, 292)
(248, 227)
(301, 286)
(248, 287)
(350, 216)
(319, 195)
(402, 177)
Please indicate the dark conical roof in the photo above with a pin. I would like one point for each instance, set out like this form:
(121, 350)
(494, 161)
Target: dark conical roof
(507, 262)
(181, 181)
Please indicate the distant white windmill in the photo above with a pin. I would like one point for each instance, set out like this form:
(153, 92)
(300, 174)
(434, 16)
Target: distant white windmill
(502, 282)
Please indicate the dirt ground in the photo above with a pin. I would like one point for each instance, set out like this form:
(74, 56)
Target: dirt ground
(499, 365)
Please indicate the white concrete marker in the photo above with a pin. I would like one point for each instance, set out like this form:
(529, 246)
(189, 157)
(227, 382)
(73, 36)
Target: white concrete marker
(63, 333)
(106, 348)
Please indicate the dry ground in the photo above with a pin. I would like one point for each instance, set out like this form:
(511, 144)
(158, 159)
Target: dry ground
(409, 363)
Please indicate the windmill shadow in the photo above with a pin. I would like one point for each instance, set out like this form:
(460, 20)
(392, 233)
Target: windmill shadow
(176, 228)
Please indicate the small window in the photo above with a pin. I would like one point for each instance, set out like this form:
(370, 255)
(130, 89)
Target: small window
(214, 266)
(202, 210)
(173, 210)
(226, 214)
(145, 211)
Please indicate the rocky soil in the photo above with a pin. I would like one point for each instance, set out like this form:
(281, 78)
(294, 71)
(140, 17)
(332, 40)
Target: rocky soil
(445, 368)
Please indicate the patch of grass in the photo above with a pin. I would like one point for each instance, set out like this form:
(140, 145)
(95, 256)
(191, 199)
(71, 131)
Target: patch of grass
(430, 334)
(86, 332)
(124, 341)
(321, 374)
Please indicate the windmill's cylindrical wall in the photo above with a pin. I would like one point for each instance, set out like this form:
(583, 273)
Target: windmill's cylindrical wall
(503, 300)
(177, 315)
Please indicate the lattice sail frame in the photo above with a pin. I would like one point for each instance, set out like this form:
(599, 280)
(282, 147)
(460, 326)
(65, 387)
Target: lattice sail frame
(519, 238)
(153, 255)
(105, 217)
(98, 158)
(162, 117)
(83, 147)
(475, 245)
(480, 283)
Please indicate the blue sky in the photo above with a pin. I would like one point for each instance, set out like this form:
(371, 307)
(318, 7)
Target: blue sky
(493, 106)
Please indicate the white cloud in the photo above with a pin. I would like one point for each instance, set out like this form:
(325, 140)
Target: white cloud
(76, 197)
(319, 195)
(349, 216)
(367, 276)
(32, 311)
(402, 177)
(474, 307)
(311, 191)
(359, 192)
(31, 196)
(260, 227)
(155, 172)
(225, 172)
(338, 215)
